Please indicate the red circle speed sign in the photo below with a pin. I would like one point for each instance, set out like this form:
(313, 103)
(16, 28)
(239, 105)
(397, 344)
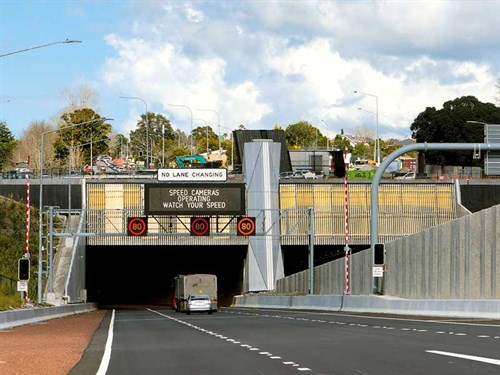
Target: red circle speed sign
(200, 226)
(137, 226)
(246, 226)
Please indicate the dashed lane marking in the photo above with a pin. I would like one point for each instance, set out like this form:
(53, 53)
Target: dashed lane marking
(225, 338)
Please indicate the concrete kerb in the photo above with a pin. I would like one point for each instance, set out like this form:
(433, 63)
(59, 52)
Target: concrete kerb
(9, 319)
(479, 309)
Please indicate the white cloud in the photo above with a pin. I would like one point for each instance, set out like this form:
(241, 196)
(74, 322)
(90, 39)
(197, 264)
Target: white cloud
(161, 75)
(279, 62)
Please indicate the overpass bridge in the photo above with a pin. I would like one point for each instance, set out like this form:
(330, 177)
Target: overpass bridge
(294, 219)
(114, 267)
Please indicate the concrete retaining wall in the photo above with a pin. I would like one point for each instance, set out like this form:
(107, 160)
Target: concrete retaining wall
(15, 318)
(456, 260)
(481, 309)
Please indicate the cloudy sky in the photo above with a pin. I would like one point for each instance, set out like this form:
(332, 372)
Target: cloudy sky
(256, 63)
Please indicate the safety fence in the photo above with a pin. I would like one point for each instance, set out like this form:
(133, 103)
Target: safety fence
(404, 209)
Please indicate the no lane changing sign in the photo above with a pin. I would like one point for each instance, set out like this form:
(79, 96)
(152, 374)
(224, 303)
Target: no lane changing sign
(137, 226)
(192, 174)
(246, 226)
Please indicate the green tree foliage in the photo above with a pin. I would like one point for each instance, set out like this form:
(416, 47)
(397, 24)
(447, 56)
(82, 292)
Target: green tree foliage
(12, 241)
(90, 137)
(341, 142)
(304, 135)
(7, 144)
(156, 123)
(449, 125)
(119, 146)
(200, 137)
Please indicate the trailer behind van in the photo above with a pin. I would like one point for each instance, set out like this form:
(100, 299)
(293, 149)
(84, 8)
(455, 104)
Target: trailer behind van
(200, 283)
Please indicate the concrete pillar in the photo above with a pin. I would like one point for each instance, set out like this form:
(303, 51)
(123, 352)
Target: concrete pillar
(264, 263)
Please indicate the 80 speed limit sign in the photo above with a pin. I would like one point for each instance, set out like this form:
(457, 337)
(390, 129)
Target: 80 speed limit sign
(246, 226)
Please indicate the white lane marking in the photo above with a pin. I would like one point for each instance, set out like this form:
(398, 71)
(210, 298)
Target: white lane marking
(103, 367)
(385, 318)
(460, 334)
(483, 336)
(465, 356)
(249, 347)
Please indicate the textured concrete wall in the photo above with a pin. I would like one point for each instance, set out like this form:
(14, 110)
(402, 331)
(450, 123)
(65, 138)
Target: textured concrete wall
(456, 260)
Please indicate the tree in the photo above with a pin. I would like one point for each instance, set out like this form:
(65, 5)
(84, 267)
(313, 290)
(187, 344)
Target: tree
(303, 135)
(118, 145)
(89, 138)
(30, 142)
(79, 98)
(7, 144)
(156, 122)
(449, 125)
(200, 136)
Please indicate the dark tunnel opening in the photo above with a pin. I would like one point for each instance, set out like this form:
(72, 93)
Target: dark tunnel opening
(143, 275)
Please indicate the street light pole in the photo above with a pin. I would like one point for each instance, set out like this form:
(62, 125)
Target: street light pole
(377, 140)
(147, 124)
(232, 146)
(67, 41)
(40, 204)
(218, 117)
(375, 146)
(191, 113)
(327, 139)
(163, 145)
(206, 127)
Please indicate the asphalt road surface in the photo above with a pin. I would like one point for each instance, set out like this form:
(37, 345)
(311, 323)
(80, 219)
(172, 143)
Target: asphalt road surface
(250, 341)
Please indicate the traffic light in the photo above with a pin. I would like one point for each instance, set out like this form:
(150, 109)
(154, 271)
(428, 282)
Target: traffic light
(24, 269)
(379, 256)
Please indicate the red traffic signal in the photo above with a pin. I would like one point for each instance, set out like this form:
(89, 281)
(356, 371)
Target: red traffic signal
(137, 226)
(200, 226)
(24, 269)
(379, 254)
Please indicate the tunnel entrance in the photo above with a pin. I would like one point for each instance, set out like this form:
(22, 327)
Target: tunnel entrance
(143, 275)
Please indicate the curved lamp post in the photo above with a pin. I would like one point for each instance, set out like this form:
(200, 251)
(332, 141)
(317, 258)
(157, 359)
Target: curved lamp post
(218, 117)
(327, 139)
(147, 124)
(206, 127)
(377, 141)
(67, 41)
(40, 202)
(191, 113)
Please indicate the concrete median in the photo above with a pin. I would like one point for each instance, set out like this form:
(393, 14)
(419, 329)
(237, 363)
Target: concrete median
(477, 309)
(20, 317)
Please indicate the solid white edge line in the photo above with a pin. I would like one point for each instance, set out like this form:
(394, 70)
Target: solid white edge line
(465, 356)
(107, 351)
